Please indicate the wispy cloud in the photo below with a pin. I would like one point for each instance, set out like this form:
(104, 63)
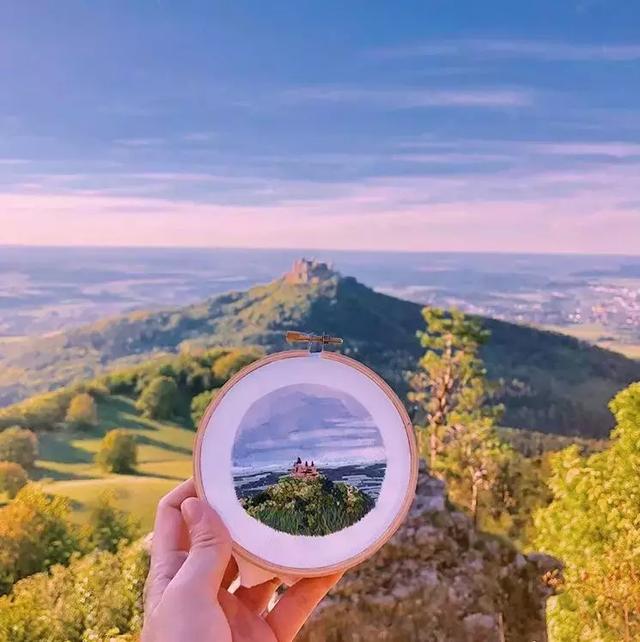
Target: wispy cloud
(14, 161)
(403, 98)
(140, 142)
(544, 50)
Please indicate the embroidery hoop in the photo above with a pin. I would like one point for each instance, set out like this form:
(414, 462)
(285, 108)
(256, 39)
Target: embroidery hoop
(242, 553)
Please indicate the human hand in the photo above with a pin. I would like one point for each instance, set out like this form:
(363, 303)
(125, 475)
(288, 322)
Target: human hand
(187, 596)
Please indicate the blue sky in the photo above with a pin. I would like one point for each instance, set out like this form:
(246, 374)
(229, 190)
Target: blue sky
(493, 126)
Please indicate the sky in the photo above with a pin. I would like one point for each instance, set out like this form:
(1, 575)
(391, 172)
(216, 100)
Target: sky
(372, 125)
(310, 421)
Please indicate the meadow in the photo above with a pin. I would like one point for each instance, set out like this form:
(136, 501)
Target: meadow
(66, 465)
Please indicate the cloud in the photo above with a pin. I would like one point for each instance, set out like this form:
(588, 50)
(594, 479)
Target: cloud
(401, 98)
(542, 50)
(140, 142)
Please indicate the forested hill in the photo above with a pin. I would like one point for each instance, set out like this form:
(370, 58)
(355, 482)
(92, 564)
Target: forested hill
(552, 382)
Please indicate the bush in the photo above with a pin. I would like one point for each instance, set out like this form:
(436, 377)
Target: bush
(229, 364)
(12, 478)
(159, 399)
(82, 411)
(110, 526)
(199, 404)
(19, 445)
(35, 533)
(118, 452)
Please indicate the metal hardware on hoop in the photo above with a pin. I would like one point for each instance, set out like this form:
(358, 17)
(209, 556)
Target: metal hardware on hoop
(316, 342)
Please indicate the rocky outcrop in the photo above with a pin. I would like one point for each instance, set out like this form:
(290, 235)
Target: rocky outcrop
(439, 580)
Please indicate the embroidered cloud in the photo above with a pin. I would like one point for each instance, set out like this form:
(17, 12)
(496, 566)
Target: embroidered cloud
(310, 421)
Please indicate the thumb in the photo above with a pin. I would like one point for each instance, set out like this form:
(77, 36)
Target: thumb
(210, 548)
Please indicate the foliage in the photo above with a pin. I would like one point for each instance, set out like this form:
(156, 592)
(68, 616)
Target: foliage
(12, 478)
(108, 526)
(82, 411)
(97, 597)
(159, 399)
(18, 445)
(118, 452)
(449, 388)
(199, 404)
(229, 364)
(593, 525)
(532, 444)
(309, 507)
(35, 533)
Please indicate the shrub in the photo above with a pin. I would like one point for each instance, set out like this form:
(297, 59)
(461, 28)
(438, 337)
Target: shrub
(159, 399)
(199, 404)
(18, 445)
(35, 533)
(12, 478)
(82, 411)
(110, 526)
(118, 452)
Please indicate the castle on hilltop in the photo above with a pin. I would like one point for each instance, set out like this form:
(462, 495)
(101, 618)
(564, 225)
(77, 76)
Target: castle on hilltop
(309, 271)
(304, 471)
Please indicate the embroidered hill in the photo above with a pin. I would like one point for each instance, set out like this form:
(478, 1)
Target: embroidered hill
(307, 503)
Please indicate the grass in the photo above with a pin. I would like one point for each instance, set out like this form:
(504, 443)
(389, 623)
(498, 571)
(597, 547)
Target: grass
(66, 463)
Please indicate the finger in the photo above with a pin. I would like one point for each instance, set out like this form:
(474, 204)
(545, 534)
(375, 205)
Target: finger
(296, 605)
(169, 544)
(257, 598)
(210, 548)
(169, 533)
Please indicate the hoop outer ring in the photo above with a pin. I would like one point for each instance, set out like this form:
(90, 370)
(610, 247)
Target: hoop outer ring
(280, 570)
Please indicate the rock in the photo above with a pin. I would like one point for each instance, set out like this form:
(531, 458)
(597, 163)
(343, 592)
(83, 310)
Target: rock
(480, 627)
(439, 580)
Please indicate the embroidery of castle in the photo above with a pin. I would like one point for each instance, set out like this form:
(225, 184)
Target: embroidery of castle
(304, 471)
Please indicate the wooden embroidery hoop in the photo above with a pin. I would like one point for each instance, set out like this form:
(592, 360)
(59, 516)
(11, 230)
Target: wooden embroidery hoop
(316, 344)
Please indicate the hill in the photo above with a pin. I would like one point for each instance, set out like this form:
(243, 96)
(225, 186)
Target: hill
(552, 382)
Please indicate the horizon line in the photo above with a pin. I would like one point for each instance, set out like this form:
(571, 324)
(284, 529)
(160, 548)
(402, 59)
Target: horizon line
(312, 250)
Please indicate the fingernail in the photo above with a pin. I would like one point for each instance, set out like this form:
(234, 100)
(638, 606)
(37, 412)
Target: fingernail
(192, 510)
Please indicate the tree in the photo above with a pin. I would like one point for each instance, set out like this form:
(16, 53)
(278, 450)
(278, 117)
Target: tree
(109, 526)
(199, 404)
(159, 399)
(35, 533)
(12, 478)
(470, 462)
(94, 597)
(593, 525)
(449, 387)
(82, 411)
(19, 445)
(225, 366)
(118, 452)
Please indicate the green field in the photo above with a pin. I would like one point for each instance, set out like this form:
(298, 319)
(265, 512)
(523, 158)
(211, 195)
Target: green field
(600, 336)
(66, 463)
